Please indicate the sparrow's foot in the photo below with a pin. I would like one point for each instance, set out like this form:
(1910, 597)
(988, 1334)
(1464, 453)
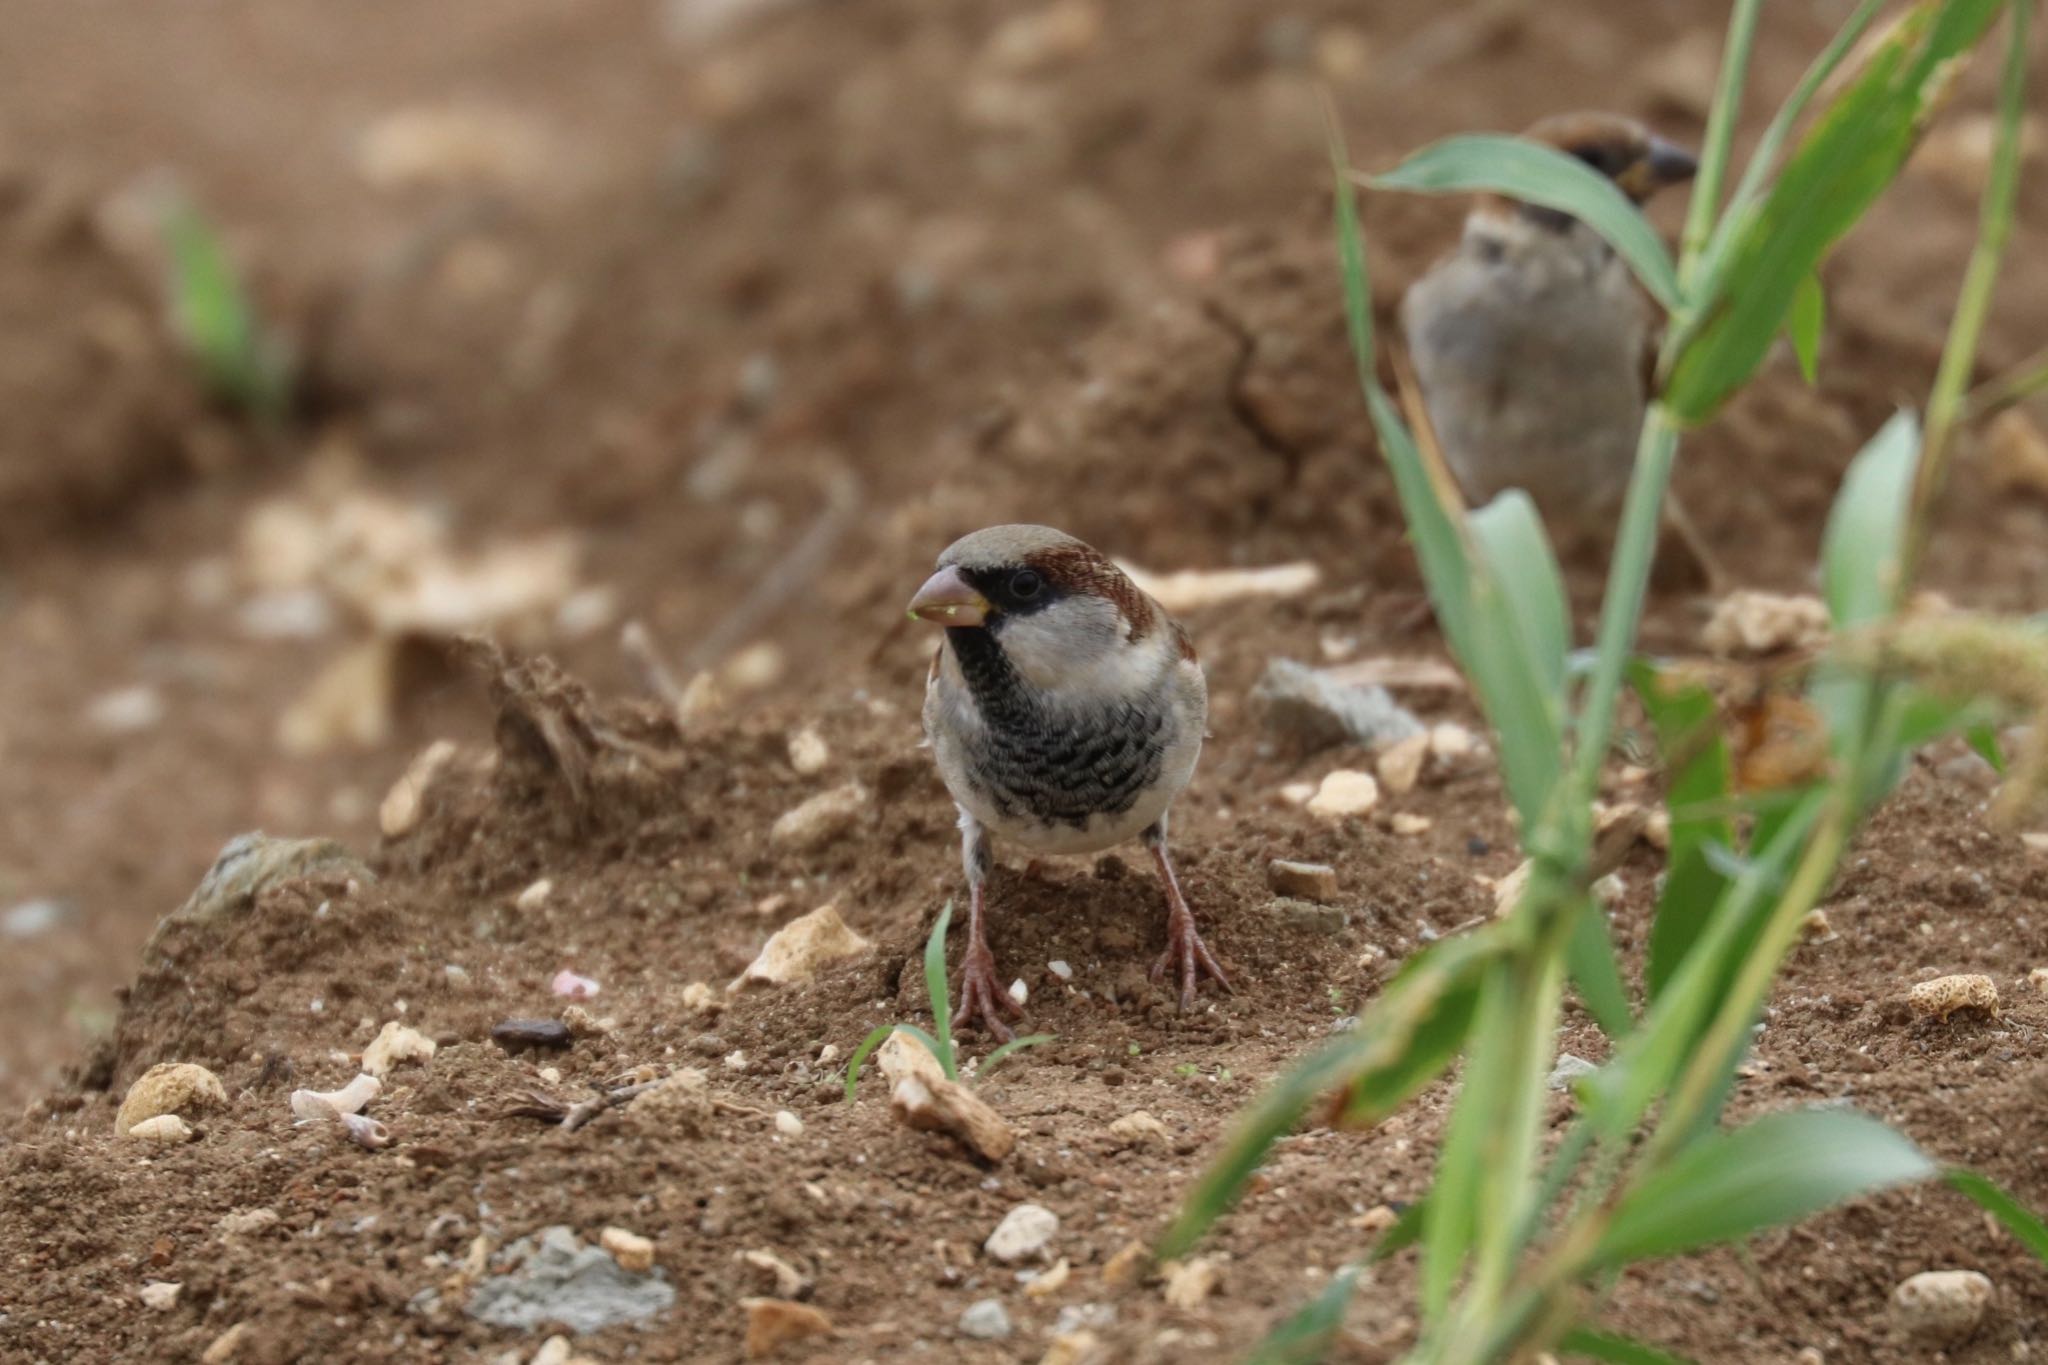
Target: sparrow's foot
(982, 997)
(1190, 957)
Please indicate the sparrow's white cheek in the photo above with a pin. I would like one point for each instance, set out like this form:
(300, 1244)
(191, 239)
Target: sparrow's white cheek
(1075, 645)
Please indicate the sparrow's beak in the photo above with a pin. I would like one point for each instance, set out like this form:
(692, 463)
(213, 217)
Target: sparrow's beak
(947, 600)
(1661, 165)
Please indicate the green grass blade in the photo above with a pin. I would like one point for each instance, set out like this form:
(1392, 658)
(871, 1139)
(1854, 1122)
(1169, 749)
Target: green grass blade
(218, 322)
(1405, 1233)
(1375, 1056)
(1782, 1167)
(1595, 971)
(2019, 1220)
(1616, 1350)
(1862, 553)
(1804, 325)
(1015, 1045)
(941, 997)
(1305, 1338)
(1456, 1201)
(1698, 789)
(1851, 155)
(1510, 535)
(860, 1055)
(1703, 209)
(1536, 174)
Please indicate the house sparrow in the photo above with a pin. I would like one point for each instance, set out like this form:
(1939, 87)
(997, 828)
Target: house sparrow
(1532, 343)
(1065, 710)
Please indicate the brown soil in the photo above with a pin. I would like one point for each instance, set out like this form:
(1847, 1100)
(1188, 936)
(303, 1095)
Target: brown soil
(873, 256)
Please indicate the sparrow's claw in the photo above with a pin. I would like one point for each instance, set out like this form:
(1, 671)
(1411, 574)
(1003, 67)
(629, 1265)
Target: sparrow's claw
(982, 997)
(1191, 957)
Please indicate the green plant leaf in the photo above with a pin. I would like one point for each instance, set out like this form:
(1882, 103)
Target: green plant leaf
(2020, 1221)
(1003, 1053)
(1617, 1350)
(1405, 1233)
(1378, 1055)
(1699, 785)
(860, 1056)
(214, 316)
(1727, 1186)
(1480, 1114)
(1852, 152)
(1536, 174)
(1305, 1337)
(941, 997)
(1596, 974)
(1983, 737)
(1862, 551)
(1510, 536)
(1804, 324)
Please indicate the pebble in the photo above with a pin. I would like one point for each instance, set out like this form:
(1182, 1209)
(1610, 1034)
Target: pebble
(633, 1252)
(1345, 792)
(126, 710)
(1407, 823)
(1946, 995)
(2038, 979)
(1128, 1266)
(1307, 917)
(1025, 1232)
(985, 1320)
(1400, 764)
(515, 1033)
(808, 753)
(788, 1124)
(1942, 1305)
(556, 1279)
(225, 1346)
(1060, 969)
(1071, 1348)
(169, 1088)
(2016, 453)
(394, 1044)
(553, 1351)
(570, 986)
(1020, 992)
(248, 1222)
(1318, 711)
(799, 948)
(822, 819)
(535, 895)
(789, 1282)
(161, 1295)
(1304, 881)
(1045, 1284)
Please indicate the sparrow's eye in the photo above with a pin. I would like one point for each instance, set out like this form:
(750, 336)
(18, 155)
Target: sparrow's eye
(1025, 584)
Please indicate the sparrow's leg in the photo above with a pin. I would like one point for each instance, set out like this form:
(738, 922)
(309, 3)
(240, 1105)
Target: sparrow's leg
(1185, 950)
(982, 997)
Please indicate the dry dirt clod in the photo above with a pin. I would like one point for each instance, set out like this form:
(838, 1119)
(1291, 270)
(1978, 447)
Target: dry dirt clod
(248, 1222)
(1345, 792)
(1750, 624)
(170, 1088)
(394, 1044)
(773, 1323)
(1190, 1283)
(633, 1252)
(1024, 1233)
(808, 752)
(1941, 1306)
(1944, 996)
(2038, 979)
(2016, 454)
(788, 1124)
(1073, 1348)
(822, 819)
(985, 1320)
(1139, 1128)
(401, 807)
(1303, 881)
(1406, 823)
(165, 1130)
(796, 951)
(1400, 764)
(1128, 1267)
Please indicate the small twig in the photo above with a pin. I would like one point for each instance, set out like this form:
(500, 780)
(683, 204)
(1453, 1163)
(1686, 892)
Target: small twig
(645, 659)
(788, 575)
(538, 1104)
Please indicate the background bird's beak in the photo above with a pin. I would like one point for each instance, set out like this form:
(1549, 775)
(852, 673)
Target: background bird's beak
(947, 600)
(1661, 165)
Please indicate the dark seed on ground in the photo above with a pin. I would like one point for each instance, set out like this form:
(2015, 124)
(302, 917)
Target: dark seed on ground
(531, 1033)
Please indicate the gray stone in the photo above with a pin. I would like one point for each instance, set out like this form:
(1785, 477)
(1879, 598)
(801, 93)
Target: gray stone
(1569, 1069)
(985, 1320)
(1315, 711)
(555, 1278)
(1306, 916)
(249, 864)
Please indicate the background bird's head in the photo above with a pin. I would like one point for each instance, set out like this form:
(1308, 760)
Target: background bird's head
(1064, 616)
(1638, 161)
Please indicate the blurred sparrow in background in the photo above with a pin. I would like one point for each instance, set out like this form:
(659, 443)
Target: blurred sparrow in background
(1066, 711)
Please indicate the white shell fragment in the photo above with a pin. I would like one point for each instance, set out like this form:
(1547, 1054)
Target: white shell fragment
(327, 1104)
(167, 1130)
(365, 1132)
